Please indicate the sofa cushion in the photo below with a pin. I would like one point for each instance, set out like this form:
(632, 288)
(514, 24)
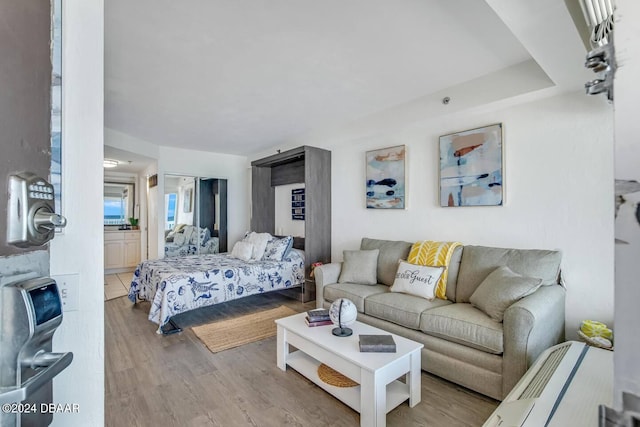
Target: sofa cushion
(464, 324)
(402, 309)
(352, 291)
(500, 289)
(359, 267)
(478, 261)
(390, 253)
(417, 280)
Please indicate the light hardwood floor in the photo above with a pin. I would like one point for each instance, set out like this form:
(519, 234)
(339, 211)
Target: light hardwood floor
(154, 380)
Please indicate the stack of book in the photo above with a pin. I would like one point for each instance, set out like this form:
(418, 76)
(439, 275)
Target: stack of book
(318, 317)
(377, 344)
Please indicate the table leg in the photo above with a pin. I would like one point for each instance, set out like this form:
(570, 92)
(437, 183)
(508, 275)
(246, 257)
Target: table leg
(283, 348)
(413, 378)
(373, 400)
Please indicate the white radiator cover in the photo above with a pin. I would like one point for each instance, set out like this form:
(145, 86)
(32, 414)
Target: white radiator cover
(584, 373)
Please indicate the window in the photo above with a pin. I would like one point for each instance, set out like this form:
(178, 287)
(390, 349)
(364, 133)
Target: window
(170, 209)
(114, 211)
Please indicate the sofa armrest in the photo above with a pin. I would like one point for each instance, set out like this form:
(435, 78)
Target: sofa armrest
(530, 326)
(325, 274)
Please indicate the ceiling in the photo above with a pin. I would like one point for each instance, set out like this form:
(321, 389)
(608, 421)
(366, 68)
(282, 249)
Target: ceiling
(128, 162)
(240, 76)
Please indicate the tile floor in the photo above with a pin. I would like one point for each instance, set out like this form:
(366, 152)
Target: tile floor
(116, 285)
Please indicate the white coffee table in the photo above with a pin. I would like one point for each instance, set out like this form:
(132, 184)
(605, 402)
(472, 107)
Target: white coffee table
(377, 373)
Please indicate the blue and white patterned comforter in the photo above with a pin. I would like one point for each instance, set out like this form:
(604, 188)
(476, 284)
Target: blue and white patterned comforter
(176, 285)
(173, 249)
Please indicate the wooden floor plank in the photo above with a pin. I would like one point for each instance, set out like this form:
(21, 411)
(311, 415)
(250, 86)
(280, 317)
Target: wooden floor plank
(176, 381)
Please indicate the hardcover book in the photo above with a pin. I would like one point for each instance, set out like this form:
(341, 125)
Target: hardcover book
(318, 314)
(377, 344)
(317, 322)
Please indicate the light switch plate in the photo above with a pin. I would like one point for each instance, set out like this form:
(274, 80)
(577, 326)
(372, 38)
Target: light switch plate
(69, 288)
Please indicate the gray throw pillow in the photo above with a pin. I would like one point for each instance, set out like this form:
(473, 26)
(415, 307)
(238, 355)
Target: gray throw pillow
(359, 267)
(479, 261)
(500, 289)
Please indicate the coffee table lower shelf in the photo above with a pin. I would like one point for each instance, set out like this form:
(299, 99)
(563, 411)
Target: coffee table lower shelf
(397, 391)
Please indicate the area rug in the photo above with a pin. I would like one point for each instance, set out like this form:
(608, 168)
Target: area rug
(231, 333)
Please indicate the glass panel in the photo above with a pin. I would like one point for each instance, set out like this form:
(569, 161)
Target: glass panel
(170, 208)
(46, 303)
(196, 202)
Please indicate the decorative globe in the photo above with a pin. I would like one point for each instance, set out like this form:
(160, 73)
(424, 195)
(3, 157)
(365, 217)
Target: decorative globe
(343, 314)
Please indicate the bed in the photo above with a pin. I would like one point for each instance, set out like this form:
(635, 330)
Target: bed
(177, 285)
(186, 240)
(172, 249)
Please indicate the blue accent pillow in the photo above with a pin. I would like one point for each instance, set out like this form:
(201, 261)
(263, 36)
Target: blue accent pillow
(277, 248)
(205, 235)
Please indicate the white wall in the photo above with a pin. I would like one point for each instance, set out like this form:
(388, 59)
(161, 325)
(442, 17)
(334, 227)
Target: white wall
(80, 248)
(126, 142)
(559, 173)
(153, 222)
(284, 225)
(627, 129)
(142, 214)
(233, 168)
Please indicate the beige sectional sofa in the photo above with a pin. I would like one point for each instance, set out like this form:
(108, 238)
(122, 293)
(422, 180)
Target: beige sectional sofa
(462, 343)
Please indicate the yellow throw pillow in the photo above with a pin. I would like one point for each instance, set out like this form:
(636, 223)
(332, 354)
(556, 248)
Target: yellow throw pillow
(435, 254)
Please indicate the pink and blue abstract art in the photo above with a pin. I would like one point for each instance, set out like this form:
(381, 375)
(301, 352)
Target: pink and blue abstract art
(471, 167)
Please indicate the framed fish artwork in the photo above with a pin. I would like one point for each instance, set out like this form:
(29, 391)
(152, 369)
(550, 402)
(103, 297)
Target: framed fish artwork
(385, 178)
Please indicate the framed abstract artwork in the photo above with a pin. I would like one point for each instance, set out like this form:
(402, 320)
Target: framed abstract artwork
(385, 180)
(187, 200)
(471, 167)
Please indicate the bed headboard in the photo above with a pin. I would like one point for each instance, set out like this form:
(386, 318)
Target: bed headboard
(298, 243)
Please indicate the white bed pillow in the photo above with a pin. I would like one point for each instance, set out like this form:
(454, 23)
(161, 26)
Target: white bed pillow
(242, 250)
(195, 235)
(178, 239)
(259, 241)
